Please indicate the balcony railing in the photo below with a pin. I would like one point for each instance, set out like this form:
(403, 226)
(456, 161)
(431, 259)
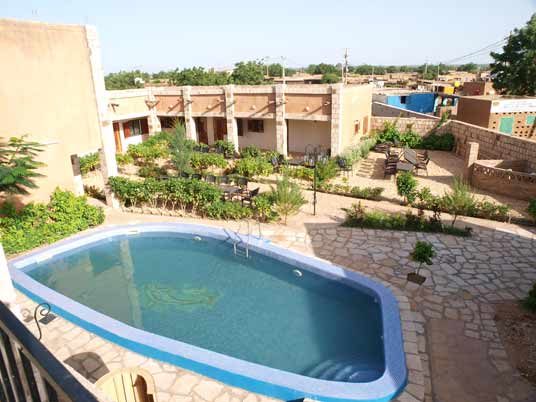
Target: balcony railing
(29, 372)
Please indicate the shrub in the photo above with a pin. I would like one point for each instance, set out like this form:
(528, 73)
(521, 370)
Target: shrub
(89, 163)
(263, 209)
(227, 147)
(299, 172)
(361, 150)
(227, 210)
(326, 170)
(181, 149)
(124, 159)
(439, 142)
(250, 166)
(152, 171)
(368, 193)
(251, 151)
(530, 301)
(18, 165)
(423, 252)
(389, 132)
(95, 192)
(155, 147)
(38, 224)
(287, 198)
(202, 161)
(532, 208)
(406, 186)
(459, 201)
(410, 138)
(356, 216)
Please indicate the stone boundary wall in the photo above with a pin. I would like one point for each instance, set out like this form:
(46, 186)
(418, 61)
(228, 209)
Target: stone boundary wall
(512, 183)
(492, 144)
(384, 110)
(420, 126)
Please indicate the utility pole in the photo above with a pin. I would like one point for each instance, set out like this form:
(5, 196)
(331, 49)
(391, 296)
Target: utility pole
(345, 68)
(425, 67)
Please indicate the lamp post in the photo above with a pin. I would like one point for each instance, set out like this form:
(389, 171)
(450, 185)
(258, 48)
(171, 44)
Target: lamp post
(313, 155)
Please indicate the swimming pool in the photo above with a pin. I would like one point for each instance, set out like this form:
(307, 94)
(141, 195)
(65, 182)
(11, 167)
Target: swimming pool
(277, 323)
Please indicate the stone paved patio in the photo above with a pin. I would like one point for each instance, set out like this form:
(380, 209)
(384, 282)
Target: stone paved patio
(453, 350)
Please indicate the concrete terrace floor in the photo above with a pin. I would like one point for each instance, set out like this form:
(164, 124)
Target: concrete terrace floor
(453, 347)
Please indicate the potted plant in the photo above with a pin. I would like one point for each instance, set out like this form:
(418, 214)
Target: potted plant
(423, 252)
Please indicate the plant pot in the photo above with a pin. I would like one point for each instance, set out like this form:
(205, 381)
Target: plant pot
(416, 278)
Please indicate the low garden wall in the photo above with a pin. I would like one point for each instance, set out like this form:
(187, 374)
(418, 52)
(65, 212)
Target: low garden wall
(418, 125)
(383, 110)
(511, 178)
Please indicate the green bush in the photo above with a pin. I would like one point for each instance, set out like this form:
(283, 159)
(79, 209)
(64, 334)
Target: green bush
(367, 193)
(226, 146)
(263, 208)
(406, 186)
(460, 200)
(299, 172)
(89, 163)
(361, 150)
(19, 165)
(181, 149)
(228, 211)
(438, 142)
(124, 159)
(389, 132)
(251, 151)
(356, 216)
(326, 170)
(202, 161)
(530, 301)
(155, 147)
(410, 138)
(38, 224)
(250, 167)
(152, 171)
(287, 198)
(532, 208)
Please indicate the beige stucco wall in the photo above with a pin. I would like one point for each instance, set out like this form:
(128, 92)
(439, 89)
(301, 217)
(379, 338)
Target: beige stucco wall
(303, 133)
(47, 92)
(266, 140)
(356, 106)
(128, 104)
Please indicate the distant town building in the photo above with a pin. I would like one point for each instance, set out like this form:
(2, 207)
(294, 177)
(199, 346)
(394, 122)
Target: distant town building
(510, 115)
(421, 102)
(477, 88)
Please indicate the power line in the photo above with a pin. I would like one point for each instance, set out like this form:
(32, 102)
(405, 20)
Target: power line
(476, 52)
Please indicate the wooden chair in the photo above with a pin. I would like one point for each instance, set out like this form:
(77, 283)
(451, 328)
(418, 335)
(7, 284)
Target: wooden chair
(128, 385)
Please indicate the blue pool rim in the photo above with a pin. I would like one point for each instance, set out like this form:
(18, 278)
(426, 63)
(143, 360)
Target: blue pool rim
(232, 371)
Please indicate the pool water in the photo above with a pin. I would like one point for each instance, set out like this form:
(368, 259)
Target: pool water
(260, 309)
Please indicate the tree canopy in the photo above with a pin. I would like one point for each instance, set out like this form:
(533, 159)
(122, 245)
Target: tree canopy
(126, 79)
(514, 70)
(248, 73)
(18, 165)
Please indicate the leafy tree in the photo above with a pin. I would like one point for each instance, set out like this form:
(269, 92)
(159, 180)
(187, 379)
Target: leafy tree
(324, 68)
(276, 70)
(181, 149)
(468, 67)
(287, 198)
(248, 73)
(514, 70)
(460, 200)
(330, 78)
(406, 186)
(126, 79)
(423, 252)
(18, 165)
(198, 76)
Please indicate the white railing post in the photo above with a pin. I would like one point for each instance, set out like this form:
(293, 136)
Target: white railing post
(7, 292)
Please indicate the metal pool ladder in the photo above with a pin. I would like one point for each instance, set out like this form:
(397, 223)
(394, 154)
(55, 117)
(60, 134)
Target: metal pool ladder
(238, 241)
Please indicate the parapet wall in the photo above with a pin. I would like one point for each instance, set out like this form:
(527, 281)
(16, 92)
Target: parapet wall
(420, 126)
(383, 110)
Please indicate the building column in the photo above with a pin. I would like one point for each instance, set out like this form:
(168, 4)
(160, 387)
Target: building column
(107, 152)
(336, 119)
(189, 121)
(232, 129)
(7, 291)
(471, 156)
(280, 120)
(77, 173)
(153, 121)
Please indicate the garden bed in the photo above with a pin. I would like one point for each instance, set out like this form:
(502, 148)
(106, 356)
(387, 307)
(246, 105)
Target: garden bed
(517, 329)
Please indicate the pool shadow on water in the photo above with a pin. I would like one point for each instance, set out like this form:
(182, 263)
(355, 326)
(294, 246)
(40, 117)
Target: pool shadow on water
(88, 364)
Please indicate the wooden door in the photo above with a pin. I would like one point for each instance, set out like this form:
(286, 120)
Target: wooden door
(117, 136)
(201, 129)
(220, 128)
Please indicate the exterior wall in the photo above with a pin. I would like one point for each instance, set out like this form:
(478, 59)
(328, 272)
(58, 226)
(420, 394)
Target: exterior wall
(128, 104)
(48, 93)
(474, 111)
(255, 105)
(302, 133)
(524, 123)
(308, 104)
(504, 177)
(420, 126)
(383, 110)
(478, 88)
(356, 109)
(208, 105)
(265, 140)
(422, 103)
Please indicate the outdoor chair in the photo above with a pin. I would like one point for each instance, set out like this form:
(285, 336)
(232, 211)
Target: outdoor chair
(242, 182)
(249, 196)
(196, 176)
(343, 166)
(185, 175)
(389, 167)
(275, 163)
(419, 164)
(224, 180)
(128, 384)
(210, 178)
(205, 150)
(219, 149)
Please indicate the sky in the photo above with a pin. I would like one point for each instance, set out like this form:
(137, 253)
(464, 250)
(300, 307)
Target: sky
(165, 34)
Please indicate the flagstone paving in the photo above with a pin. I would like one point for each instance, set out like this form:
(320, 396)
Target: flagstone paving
(453, 350)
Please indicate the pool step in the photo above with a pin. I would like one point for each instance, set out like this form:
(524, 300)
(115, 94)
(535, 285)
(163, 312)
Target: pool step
(345, 370)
